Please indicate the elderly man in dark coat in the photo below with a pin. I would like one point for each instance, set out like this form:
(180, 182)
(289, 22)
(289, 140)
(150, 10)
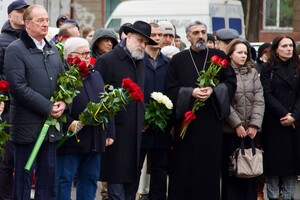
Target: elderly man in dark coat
(120, 162)
(32, 66)
(10, 31)
(196, 163)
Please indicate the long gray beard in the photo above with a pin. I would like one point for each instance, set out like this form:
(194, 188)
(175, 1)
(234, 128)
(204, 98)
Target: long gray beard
(138, 55)
(200, 45)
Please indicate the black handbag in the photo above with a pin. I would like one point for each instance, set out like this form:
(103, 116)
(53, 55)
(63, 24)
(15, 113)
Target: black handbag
(246, 163)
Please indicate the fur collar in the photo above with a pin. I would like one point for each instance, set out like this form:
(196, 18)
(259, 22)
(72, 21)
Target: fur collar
(29, 43)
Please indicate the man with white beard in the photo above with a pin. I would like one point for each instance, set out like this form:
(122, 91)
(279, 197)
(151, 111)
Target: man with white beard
(119, 164)
(196, 159)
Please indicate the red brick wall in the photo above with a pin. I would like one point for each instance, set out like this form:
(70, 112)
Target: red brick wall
(268, 36)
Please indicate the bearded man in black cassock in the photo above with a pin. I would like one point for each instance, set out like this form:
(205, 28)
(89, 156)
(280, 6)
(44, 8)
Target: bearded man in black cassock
(196, 159)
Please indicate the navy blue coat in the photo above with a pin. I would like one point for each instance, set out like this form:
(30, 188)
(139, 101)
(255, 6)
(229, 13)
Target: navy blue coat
(32, 74)
(155, 82)
(92, 138)
(7, 36)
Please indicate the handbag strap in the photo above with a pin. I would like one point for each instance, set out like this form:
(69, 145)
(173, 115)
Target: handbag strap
(252, 147)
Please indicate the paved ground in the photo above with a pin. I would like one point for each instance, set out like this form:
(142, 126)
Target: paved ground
(98, 196)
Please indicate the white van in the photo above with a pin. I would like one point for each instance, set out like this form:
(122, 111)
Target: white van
(216, 14)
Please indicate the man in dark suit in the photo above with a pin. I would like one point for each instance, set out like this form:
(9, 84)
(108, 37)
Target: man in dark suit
(155, 143)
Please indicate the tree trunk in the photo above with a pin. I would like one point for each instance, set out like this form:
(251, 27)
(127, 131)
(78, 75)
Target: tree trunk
(251, 14)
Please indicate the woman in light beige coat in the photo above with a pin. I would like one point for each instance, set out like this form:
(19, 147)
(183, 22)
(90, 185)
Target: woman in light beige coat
(244, 121)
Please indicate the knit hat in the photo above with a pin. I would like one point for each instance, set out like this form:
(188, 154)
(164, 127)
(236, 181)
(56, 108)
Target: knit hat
(262, 48)
(167, 28)
(210, 37)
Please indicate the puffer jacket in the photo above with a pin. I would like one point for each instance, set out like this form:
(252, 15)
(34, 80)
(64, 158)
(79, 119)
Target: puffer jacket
(33, 75)
(7, 36)
(102, 33)
(248, 106)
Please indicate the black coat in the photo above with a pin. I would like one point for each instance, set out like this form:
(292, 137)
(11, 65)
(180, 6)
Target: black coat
(155, 82)
(92, 138)
(32, 74)
(7, 36)
(282, 96)
(119, 164)
(196, 163)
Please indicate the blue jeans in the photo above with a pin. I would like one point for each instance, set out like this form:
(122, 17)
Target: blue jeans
(87, 166)
(288, 186)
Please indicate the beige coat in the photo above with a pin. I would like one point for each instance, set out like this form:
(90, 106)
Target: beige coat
(248, 106)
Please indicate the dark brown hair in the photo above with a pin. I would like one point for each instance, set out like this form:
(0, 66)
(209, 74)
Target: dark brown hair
(273, 55)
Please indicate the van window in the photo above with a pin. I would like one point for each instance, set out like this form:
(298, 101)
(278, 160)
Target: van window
(236, 23)
(218, 23)
(115, 24)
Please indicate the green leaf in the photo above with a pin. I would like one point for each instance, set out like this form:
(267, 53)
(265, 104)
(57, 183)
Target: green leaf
(53, 121)
(57, 126)
(63, 118)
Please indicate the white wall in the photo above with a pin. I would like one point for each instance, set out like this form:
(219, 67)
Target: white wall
(3, 11)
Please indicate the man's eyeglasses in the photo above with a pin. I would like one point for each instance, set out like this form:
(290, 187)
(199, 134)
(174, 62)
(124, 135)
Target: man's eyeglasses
(83, 54)
(40, 20)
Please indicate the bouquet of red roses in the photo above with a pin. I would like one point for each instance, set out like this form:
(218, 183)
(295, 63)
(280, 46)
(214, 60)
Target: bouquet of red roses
(207, 78)
(68, 82)
(4, 87)
(111, 101)
(59, 44)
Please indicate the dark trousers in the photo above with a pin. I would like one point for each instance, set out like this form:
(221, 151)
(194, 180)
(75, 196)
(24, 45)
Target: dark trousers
(6, 172)
(45, 164)
(158, 171)
(235, 188)
(121, 191)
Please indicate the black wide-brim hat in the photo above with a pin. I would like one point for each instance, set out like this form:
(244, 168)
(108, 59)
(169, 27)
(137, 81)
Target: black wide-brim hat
(142, 28)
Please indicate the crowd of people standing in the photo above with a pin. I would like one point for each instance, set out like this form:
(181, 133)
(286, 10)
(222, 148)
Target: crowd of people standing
(262, 90)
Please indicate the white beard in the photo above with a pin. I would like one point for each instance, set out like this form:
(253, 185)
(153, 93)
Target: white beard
(138, 55)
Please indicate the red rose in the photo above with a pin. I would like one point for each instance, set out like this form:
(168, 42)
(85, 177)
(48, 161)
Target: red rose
(4, 86)
(133, 89)
(219, 61)
(70, 60)
(84, 70)
(214, 59)
(92, 61)
(224, 63)
(61, 38)
(76, 60)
